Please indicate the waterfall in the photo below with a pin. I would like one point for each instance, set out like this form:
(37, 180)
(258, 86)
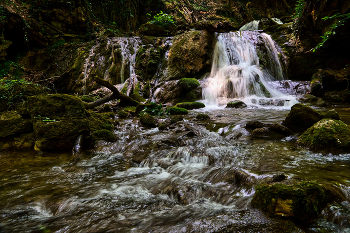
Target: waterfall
(238, 73)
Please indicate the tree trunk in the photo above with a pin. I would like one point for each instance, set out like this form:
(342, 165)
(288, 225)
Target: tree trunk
(124, 99)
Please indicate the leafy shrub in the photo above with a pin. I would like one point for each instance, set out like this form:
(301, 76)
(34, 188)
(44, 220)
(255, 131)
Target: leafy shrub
(162, 19)
(154, 109)
(328, 34)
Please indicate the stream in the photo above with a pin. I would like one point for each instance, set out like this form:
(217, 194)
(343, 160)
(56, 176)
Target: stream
(196, 176)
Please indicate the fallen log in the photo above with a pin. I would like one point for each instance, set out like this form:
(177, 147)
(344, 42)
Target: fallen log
(124, 99)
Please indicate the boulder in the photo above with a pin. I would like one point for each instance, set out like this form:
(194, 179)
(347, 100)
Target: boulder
(312, 100)
(236, 104)
(190, 105)
(327, 135)
(190, 54)
(301, 117)
(303, 201)
(332, 114)
(12, 123)
(148, 120)
(177, 111)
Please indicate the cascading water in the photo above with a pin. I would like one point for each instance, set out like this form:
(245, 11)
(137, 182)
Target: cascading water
(237, 74)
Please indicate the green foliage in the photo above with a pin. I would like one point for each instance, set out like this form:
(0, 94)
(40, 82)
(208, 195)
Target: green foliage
(162, 19)
(299, 8)
(328, 34)
(12, 91)
(155, 109)
(10, 67)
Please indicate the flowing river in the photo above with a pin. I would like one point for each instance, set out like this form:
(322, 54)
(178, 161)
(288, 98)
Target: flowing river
(197, 176)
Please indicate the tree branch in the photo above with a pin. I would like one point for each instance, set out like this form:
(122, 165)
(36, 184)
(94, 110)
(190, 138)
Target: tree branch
(126, 100)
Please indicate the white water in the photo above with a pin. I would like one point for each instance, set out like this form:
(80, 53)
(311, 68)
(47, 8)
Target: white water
(236, 72)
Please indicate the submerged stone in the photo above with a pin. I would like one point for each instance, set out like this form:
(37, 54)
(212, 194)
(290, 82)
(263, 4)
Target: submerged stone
(202, 116)
(303, 201)
(236, 104)
(327, 135)
(301, 117)
(148, 120)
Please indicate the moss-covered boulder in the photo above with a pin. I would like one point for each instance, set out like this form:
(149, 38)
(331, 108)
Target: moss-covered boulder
(175, 119)
(327, 135)
(202, 116)
(303, 201)
(103, 134)
(332, 114)
(236, 104)
(13, 92)
(301, 117)
(190, 54)
(59, 135)
(148, 120)
(312, 100)
(190, 105)
(122, 114)
(177, 111)
(56, 106)
(12, 123)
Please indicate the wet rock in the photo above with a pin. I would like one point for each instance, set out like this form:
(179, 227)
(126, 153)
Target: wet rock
(175, 119)
(254, 124)
(327, 135)
(301, 117)
(312, 100)
(103, 134)
(332, 114)
(236, 104)
(190, 54)
(261, 131)
(148, 120)
(281, 129)
(316, 84)
(294, 201)
(122, 114)
(337, 96)
(12, 123)
(190, 105)
(202, 116)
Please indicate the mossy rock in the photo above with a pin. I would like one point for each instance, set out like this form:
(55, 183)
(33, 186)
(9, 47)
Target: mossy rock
(177, 111)
(87, 98)
(301, 117)
(59, 135)
(188, 84)
(97, 121)
(327, 135)
(332, 114)
(236, 104)
(108, 115)
(123, 114)
(12, 123)
(190, 105)
(103, 134)
(163, 126)
(202, 116)
(148, 120)
(13, 94)
(56, 106)
(175, 119)
(303, 201)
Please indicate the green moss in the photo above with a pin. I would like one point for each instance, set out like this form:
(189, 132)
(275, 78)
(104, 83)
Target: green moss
(136, 94)
(327, 135)
(190, 105)
(236, 104)
(56, 106)
(125, 88)
(103, 134)
(301, 117)
(177, 111)
(175, 119)
(123, 114)
(148, 120)
(87, 99)
(202, 116)
(108, 115)
(304, 201)
(188, 84)
(163, 126)
(12, 123)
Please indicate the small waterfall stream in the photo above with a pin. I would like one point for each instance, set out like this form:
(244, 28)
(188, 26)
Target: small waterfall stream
(237, 73)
